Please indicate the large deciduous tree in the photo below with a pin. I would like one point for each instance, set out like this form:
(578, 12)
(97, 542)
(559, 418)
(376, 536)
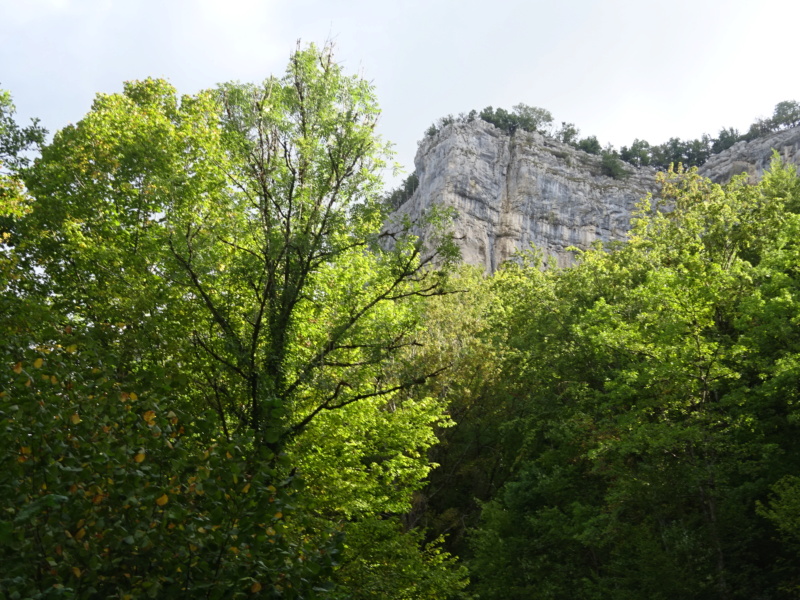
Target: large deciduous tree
(219, 262)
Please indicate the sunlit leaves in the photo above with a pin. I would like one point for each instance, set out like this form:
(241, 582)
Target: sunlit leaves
(204, 344)
(659, 384)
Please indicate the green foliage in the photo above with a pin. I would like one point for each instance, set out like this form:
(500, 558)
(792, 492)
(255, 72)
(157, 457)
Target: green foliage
(611, 165)
(527, 118)
(379, 562)
(403, 193)
(725, 139)
(567, 133)
(655, 391)
(524, 117)
(786, 114)
(206, 283)
(638, 154)
(14, 140)
(110, 492)
(590, 145)
(473, 460)
(532, 118)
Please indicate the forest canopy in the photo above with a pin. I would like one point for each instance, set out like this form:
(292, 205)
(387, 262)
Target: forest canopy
(226, 373)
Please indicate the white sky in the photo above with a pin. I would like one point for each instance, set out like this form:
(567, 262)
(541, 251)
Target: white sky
(618, 69)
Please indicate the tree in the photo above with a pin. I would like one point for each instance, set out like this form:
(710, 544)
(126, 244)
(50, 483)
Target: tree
(638, 154)
(657, 387)
(590, 145)
(404, 191)
(758, 128)
(567, 133)
(611, 165)
(14, 140)
(786, 114)
(533, 118)
(224, 257)
(726, 138)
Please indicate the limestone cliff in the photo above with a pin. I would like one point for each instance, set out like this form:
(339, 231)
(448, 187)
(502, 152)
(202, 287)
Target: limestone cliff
(753, 157)
(509, 192)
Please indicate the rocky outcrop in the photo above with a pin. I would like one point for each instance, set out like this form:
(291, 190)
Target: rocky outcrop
(511, 192)
(753, 157)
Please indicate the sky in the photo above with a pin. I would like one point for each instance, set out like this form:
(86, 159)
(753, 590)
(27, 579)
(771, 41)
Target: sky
(617, 69)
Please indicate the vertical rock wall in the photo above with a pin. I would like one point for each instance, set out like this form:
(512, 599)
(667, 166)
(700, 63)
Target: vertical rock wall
(511, 192)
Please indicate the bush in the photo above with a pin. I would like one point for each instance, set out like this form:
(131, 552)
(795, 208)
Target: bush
(611, 165)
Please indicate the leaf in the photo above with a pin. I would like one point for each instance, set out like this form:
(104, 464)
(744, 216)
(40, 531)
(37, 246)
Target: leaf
(75, 418)
(139, 457)
(255, 588)
(17, 368)
(37, 364)
(6, 533)
(162, 500)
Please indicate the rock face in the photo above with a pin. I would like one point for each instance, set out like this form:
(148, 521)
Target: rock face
(511, 192)
(753, 157)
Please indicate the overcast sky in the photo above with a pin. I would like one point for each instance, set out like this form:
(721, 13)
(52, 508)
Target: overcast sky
(618, 69)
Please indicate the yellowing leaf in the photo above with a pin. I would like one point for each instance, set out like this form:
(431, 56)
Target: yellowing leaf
(17, 368)
(255, 588)
(25, 450)
(278, 515)
(270, 531)
(76, 571)
(75, 418)
(162, 500)
(246, 488)
(133, 396)
(149, 417)
(139, 457)
(38, 363)
(53, 379)
(72, 348)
